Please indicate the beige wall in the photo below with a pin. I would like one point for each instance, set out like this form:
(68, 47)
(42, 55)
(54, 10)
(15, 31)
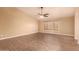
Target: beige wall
(65, 26)
(16, 23)
(77, 24)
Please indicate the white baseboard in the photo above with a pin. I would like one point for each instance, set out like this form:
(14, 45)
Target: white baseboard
(58, 34)
(29, 34)
(17, 36)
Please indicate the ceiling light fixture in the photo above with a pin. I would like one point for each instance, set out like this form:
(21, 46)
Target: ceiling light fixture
(41, 16)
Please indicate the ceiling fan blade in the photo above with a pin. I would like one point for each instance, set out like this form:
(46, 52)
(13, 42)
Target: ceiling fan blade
(46, 15)
(39, 14)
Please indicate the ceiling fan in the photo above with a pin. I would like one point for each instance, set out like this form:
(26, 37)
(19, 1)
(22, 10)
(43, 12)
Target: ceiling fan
(42, 15)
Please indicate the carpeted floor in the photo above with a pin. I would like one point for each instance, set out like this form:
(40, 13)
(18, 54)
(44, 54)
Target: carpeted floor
(39, 42)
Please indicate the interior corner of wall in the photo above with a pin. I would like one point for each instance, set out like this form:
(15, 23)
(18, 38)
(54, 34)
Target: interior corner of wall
(77, 41)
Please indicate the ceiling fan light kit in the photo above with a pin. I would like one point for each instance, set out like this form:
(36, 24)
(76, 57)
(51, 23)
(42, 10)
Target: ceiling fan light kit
(41, 16)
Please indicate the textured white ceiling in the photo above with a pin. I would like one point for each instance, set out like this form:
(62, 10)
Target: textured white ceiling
(54, 12)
